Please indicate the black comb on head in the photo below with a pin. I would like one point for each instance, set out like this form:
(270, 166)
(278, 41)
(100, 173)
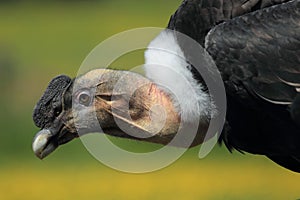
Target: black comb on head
(44, 110)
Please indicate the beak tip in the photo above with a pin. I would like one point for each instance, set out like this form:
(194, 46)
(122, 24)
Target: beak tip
(40, 143)
(39, 156)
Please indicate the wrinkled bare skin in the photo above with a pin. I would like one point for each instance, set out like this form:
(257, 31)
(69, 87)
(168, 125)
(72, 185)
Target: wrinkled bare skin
(128, 105)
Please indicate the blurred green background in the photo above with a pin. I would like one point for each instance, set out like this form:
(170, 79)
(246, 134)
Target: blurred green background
(41, 39)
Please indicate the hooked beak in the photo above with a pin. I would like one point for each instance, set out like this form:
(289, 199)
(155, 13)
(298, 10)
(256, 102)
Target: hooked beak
(48, 139)
(42, 144)
(45, 142)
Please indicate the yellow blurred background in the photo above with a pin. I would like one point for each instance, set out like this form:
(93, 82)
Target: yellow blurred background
(41, 39)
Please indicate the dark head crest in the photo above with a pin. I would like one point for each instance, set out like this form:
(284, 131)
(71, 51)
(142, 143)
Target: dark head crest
(44, 110)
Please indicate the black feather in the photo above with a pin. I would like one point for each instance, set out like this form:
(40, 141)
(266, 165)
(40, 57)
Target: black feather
(256, 46)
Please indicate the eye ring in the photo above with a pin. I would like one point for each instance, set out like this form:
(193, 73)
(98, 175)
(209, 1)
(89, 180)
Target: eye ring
(84, 98)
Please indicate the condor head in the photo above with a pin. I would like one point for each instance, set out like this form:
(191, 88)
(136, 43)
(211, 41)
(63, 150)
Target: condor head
(118, 103)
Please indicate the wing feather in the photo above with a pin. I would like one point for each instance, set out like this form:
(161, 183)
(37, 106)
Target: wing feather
(262, 51)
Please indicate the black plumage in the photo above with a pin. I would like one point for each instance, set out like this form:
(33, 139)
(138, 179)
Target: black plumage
(258, 55)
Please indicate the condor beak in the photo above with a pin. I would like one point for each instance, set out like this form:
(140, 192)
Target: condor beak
(55, 134)
(47, 140)
(43, 143)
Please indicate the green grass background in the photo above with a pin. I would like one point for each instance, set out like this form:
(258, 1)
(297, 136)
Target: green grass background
(41, 39)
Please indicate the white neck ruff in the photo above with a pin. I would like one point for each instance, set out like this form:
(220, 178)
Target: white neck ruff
(165, 64)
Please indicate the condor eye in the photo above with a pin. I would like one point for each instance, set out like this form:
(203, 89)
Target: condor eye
(84, 98)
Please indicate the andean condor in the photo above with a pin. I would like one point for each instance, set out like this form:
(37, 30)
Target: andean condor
(254, 43)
